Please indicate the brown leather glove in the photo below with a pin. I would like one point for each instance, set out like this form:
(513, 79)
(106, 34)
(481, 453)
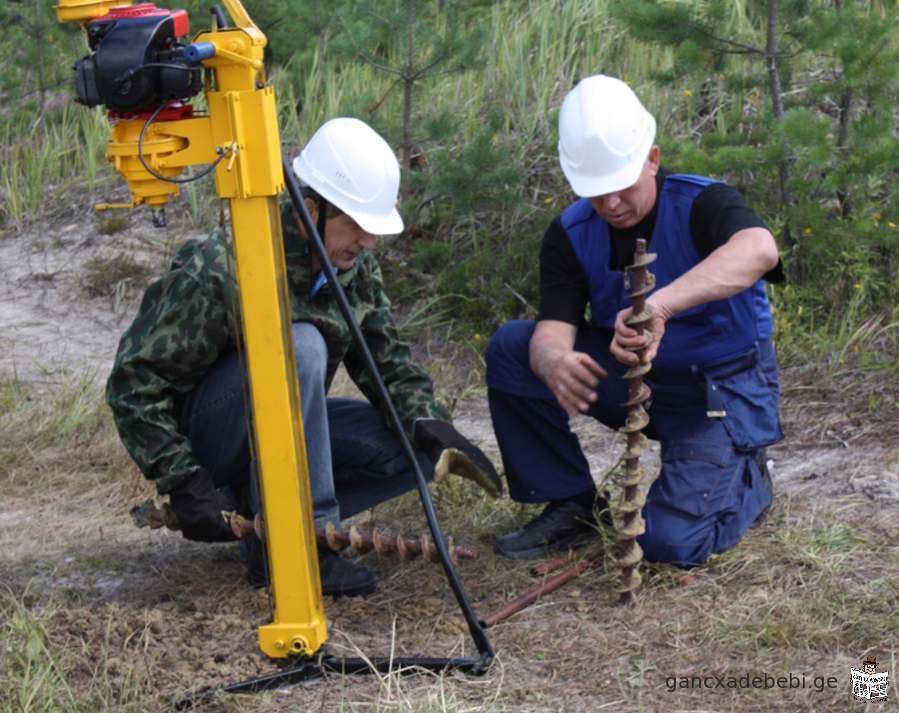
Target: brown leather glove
(452, 453)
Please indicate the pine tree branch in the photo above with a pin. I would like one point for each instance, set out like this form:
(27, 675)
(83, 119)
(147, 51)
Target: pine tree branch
(751, 49)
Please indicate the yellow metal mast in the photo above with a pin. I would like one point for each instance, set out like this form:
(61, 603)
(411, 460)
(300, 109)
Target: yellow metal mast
(242, 129)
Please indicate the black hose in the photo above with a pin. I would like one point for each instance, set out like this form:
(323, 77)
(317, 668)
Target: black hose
(219, 16)
(477, 632)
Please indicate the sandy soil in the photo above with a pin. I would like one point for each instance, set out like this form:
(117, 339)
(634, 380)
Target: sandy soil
(177, 615)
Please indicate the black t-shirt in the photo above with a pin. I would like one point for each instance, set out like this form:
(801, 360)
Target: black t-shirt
(718, 212)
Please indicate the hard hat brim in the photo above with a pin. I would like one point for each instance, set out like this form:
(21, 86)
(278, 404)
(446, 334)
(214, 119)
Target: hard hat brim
(378, 224)
(591, 186)
(375, 223)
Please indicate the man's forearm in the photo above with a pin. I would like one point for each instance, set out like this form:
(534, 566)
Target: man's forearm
(735, 266)
(550, 342)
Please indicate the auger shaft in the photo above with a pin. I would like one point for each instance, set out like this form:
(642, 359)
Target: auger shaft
(388, 546)
(629, 511)
(149, 515)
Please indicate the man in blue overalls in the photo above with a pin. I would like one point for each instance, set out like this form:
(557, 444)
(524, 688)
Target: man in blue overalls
(714, 380)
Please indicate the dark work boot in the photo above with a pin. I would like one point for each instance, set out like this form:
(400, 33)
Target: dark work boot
(761, 460)
(339, 577)
(253, 551)
(562, 524)
(342, 578)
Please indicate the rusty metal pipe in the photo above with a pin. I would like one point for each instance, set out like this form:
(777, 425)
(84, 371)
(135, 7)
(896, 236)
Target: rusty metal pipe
(528, 598)
(546, 567)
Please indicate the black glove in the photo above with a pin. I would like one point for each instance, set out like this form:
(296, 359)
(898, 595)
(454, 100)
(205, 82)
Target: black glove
(453, 453)
(199, 507)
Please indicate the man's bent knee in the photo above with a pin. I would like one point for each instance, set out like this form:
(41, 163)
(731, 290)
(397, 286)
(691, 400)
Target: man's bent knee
(676, 538)
(310, 349)
(509, 363)
(510, 341)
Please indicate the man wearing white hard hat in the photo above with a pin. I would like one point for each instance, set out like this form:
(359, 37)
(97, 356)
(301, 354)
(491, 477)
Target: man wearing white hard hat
(714, 382)
(176, 389)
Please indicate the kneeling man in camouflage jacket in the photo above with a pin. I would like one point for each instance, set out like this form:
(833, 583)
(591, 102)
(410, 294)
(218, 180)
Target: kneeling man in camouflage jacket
(176, 389)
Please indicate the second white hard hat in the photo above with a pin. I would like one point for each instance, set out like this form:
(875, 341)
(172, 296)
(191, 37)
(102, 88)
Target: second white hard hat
(348, 164)
(605, 135)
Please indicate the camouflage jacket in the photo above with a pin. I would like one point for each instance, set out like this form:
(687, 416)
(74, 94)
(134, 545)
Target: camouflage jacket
(186, 321)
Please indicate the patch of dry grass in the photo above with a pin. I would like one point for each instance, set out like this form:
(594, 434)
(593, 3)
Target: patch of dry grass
(850, 408)
(130, 616)
(57, 441)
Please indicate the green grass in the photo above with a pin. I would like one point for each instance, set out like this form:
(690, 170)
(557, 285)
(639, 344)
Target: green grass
(44, 162)
(39, 673)
(106, 276)
(815, 579)
(52, 424)
(32, 674)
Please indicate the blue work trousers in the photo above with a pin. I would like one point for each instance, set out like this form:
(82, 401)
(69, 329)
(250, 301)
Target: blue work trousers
(709, 490)
(355, 460)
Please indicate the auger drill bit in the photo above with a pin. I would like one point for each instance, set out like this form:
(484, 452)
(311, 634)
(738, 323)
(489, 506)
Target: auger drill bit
(149, 515)
(629, 511)
(339, 540)
(388, 546)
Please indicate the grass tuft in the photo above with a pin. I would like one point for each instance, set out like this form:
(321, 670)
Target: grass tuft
(33, 676)
(106, 276)
(49, 438)
(113, 224)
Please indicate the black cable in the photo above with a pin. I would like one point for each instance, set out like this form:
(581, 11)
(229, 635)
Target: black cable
(126, 76)
(477, 632)
(140, 155)
(322, 217)
(219, 16)
(307, 671)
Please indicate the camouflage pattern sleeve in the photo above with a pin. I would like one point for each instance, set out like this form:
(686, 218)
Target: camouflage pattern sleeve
(184, 323)
(409, 384)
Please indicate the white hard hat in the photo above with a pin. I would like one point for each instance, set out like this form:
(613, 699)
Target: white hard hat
(605, 135)
(349, 165)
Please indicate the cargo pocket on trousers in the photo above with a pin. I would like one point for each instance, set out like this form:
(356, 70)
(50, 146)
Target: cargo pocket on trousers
(751, 408)
(695, 478)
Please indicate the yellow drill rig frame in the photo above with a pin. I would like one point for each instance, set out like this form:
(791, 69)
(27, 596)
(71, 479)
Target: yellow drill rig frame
(241, 129)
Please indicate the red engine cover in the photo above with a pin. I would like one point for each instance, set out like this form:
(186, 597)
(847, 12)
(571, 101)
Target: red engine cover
(179, 17)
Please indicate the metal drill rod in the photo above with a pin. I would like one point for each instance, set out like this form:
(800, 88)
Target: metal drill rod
(339, 540)
(477, 632)
(149, 515)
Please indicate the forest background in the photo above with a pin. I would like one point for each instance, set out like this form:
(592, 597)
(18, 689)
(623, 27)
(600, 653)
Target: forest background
(793, 102)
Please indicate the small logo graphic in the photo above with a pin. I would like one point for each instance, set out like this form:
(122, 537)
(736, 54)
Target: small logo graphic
(867, 684)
